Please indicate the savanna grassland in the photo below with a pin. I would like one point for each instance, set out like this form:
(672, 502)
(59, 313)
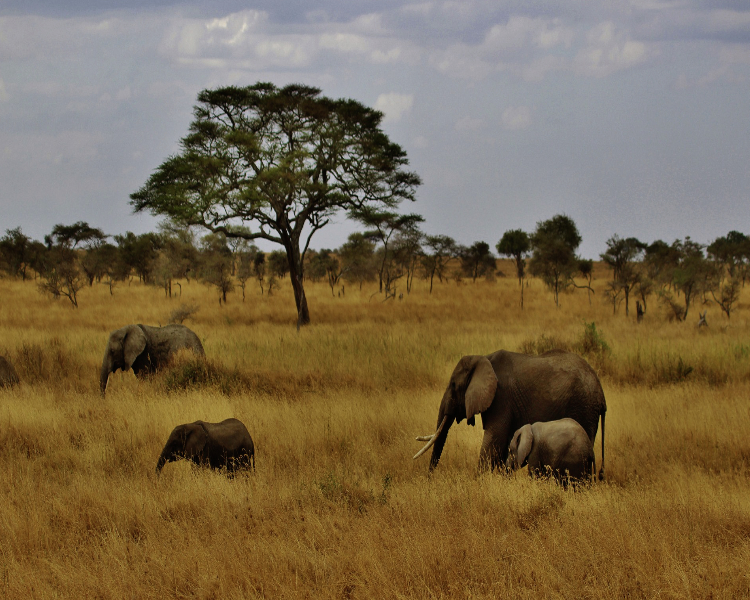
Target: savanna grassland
(337, 507)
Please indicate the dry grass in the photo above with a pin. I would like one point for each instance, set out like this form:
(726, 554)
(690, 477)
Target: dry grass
(337, 508)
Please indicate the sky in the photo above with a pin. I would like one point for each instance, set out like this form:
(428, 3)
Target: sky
(630, 116)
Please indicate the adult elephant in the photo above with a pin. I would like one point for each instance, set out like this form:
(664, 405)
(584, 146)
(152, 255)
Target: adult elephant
(145, 349)
(510, 390)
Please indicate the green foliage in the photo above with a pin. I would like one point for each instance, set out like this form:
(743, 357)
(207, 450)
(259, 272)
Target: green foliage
(516, 244)
(592, 341)
(442, 250)
(357, 256)
(477, 260)
(283, 159)
(278, 265)
(15, 253)
(138, 252)
(383, 226)
(731, 252)
(554, 243)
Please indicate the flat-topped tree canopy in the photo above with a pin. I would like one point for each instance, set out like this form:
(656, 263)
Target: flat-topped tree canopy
(262, 162)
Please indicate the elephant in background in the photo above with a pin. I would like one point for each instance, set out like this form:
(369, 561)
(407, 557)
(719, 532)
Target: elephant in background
(145, 349)
(226, 444)
(510, 390)
(8, 375)
(562, 446)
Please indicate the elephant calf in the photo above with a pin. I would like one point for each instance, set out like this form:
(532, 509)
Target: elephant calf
(563, 446)
(226, 444)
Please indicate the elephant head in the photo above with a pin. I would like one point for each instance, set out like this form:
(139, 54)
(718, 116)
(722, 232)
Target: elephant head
(520, 448)
(188, 441)
(123, 348)
(470, 391)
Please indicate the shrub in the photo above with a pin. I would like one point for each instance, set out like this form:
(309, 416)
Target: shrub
(183, 312)
(592, 341)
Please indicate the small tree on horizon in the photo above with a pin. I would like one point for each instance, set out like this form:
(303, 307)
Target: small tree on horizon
(623, 257)
(443, 249)
(516, 244)
(477, 260)
(554, 244)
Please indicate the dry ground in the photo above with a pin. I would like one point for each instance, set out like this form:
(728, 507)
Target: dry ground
(337, 508)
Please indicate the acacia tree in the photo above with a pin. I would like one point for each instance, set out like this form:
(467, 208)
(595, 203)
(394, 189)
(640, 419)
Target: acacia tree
(477, 260)
(516, 244)
(622, 256)
(247, 254)
(357, 255)
(216, 264)
(15, 252)
(282, 161)
(692, 273)
(554, 244)
(383, 226)
(407, 250)
(443, 249)
(81, 236)
(586, 269)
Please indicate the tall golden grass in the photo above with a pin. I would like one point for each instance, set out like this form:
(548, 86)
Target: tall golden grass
(337, 508)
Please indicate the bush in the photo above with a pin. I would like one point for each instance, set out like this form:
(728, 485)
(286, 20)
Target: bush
(182, 313)
(592, 341)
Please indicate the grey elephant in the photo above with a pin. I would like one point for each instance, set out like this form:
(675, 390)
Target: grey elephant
(510, 390)
(562, 447)
(226, 444)
(145, 349)
(8, 375)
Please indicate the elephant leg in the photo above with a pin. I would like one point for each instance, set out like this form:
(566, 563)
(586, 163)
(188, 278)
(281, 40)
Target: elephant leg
(496, 421)
(492, 455)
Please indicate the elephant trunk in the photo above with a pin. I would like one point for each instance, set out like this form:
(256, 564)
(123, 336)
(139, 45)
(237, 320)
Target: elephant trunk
(441, 436)
(164, 458)
(104, 376)
(161, 462)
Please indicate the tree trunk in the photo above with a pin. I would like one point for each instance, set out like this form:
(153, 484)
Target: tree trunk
(295, 275)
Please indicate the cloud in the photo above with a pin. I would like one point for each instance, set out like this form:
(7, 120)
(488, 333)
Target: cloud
(608, 50)
(349, 43)
(3, 93)
(523, 32)
(516, 117)
(243, 40)
(394, 105)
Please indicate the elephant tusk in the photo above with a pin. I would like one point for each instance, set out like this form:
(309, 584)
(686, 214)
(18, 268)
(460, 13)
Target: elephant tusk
(430, 439)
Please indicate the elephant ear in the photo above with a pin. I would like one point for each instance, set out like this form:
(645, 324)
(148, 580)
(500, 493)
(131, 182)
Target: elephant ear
(133, 344)
(482, 386)
(525, 441)
(195, 439)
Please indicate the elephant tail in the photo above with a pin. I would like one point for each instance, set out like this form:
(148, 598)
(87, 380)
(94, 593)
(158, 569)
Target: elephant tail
(601, 470)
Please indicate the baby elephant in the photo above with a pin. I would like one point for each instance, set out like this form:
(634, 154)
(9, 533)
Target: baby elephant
(226, 444)
(561, 445)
